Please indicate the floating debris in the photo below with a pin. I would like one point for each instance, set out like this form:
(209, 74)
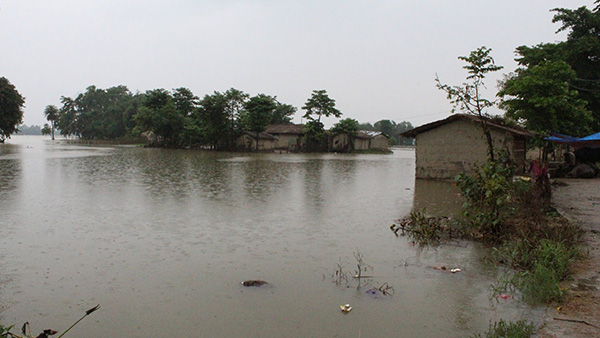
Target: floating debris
(446, 269)
(346, 308)
(385, 289)
(257, 282)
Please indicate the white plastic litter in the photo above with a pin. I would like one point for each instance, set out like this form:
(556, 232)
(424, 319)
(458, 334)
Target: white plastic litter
(346, 308)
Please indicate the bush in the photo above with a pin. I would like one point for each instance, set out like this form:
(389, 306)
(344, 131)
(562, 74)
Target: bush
(518, 329)
(487, 196)
(528, 234)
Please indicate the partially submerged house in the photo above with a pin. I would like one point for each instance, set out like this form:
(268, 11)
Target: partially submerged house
(364, 140)
(456, 144)
(251, 142)
(289, 136)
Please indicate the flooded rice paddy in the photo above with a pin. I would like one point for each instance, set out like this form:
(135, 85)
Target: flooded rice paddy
(162, 240)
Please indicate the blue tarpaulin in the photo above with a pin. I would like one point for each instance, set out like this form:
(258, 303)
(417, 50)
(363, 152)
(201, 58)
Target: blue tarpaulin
(593, 137)
(556, 137)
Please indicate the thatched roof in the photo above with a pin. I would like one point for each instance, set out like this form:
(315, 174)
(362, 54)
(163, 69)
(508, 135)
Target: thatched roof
(492, 123)
(261, 136)
(275, 129)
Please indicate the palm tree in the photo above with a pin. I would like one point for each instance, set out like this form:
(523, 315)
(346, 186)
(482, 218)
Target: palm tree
(51, 114)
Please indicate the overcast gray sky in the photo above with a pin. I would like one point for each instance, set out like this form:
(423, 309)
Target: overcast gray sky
(377, 59)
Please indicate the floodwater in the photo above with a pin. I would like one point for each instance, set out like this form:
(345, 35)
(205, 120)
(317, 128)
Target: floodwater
(162, 240)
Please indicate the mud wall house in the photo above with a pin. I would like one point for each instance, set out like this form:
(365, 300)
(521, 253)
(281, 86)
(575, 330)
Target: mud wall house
(340, 143)
(378, 140)
(448, 147)
(289, 136)
(248, 142)
(364, 140)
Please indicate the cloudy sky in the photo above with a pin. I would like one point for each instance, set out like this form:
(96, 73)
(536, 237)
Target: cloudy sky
(378, 59)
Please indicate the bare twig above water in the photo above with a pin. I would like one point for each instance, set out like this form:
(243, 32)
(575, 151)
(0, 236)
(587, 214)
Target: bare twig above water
(576, 321)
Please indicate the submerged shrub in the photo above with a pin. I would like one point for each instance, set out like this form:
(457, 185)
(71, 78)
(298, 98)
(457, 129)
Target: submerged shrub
(428, 230)
(518, 329)
(487, 196)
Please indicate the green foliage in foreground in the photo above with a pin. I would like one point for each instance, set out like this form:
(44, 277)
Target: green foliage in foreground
(515, 218)
(503, 329)
(487, 197)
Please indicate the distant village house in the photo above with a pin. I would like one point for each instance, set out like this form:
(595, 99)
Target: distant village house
(290, 137)
(364, 140)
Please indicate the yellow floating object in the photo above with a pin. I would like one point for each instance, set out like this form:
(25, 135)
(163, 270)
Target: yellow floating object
(346, 308)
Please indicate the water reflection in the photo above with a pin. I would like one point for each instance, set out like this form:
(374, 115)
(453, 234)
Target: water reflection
(437, 197)
(10, 173)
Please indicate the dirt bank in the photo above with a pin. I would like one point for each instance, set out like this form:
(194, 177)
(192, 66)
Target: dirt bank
(579, 200)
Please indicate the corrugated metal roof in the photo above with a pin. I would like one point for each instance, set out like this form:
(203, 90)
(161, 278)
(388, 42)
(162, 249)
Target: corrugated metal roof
(369, 133)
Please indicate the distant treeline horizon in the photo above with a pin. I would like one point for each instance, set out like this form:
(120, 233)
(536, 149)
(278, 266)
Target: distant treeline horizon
(178, 118)
(33, 129)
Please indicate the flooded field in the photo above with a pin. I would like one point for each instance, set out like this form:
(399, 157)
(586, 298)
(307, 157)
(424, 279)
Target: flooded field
(162, 240)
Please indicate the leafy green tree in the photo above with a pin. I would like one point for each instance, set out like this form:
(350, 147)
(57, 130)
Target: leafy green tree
(581, 51)
(214, 120)
(186, 104)
(541, 98)
(258, 113)
(67, 117)
(283, 113)
(117, 113)
(235, 100)
(468, 97)
(314, 134)
(51, 114)
(348, 127)
(389, 128)
(159, 115)
(46, 130)
(11, 109)
(185, 101)
(98, 113)
(320, 104)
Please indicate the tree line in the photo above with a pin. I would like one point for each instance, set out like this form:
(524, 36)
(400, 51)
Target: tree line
(175, 118)
(178, 118)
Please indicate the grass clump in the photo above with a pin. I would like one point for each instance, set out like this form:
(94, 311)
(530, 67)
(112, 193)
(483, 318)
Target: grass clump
(504, 329)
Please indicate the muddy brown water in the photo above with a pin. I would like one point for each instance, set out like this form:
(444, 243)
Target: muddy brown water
(162, 240)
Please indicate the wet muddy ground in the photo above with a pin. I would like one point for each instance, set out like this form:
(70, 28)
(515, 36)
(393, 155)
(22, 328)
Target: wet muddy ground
(579, 316)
